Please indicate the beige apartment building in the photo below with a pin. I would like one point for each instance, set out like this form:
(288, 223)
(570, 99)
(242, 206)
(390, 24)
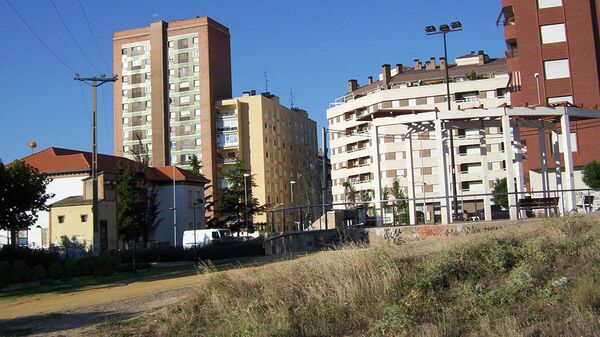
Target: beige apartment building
(369, 146)
(277, 144)
(170, 76)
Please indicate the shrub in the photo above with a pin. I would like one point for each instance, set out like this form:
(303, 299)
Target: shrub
(55, 271)
(39, 273)
(21, 271)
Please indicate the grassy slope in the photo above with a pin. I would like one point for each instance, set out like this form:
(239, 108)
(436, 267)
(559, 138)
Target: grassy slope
(541, 282)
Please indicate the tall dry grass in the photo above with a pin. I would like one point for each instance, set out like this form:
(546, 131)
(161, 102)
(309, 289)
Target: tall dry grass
(541, 282)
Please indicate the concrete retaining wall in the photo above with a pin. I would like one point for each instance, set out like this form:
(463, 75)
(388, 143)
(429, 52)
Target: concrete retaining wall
(310, 241)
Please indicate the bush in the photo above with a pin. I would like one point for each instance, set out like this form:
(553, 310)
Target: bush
(215, 251)
(55, 271)
(21, 271)
(39, 273)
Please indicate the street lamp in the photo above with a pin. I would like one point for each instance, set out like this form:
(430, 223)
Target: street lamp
(196, 202)
(292, 190)
(246, 175)
(445, 29)
(174, 208)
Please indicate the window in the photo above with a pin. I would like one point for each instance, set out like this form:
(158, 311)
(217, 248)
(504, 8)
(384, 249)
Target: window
(553, 33)
(196, 69)
(184, 85)
(549, 3)
(196, 83)
(185, 114)
(198, 142)
(147, 76)
(173, 115)
(195, 53)
(83, 217)
(183, 71)
(557, 69)
(173, 145)
(171, 72)
(195, 40)
(61, 219)
(196, 98)
(124, 79)
(197, 127)
(197, 112)
(136, 64)
(184, 100)
(171, 44)
(182, 43)
(124, 51)
(125, 149)
(182, 58)
(172, 86)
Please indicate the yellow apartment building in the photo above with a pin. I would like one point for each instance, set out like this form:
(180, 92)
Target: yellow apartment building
(278, 146)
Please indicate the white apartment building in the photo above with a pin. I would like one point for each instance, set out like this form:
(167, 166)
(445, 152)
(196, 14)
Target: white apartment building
(363, 124)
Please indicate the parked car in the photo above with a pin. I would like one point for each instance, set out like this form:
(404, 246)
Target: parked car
(205, 237)
(498, 212)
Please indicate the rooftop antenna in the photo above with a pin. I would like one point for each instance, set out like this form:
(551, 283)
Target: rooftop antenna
(266, 82)
(292, 97)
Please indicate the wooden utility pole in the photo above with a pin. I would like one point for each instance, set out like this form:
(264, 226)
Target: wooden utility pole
(95, 82)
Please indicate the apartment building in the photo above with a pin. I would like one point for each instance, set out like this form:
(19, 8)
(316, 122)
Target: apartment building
(553, 55)
(277, 144)
(370, 159)
(171, 74)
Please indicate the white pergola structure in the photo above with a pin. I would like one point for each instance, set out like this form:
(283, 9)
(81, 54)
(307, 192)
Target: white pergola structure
(510, 120)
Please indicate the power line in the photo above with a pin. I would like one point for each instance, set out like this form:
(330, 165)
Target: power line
(72, 36)
(93, 35)
(39, 38)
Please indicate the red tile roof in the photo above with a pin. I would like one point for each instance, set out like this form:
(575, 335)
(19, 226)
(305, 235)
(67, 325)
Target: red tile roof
(56, 160)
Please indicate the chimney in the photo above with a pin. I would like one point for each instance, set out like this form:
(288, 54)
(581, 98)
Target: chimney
(385, 71)
(418, 65)
(352, 85)
(431, 65)
(483, 57)
(442, 63)
(370, 80)
(399, 68)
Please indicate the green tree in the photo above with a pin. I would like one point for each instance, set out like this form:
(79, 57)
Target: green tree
(349, 193)
(195, 164)
(499, 192)
(400, 204)
(591, 174)
(231, 203)
(22, 196)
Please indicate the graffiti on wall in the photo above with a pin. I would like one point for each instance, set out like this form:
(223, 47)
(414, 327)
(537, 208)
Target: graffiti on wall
(402, 235)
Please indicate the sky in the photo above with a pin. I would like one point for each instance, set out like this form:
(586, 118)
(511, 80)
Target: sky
(310, 48)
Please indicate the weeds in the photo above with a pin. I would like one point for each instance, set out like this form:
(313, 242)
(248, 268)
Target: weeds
(539, 284)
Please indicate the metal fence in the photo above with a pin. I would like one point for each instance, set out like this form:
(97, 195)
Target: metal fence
(427, 210)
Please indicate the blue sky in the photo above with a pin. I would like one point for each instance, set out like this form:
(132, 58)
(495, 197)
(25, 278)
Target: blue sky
(311, 46)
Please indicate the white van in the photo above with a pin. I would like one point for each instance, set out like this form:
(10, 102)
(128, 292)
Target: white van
(205, 237)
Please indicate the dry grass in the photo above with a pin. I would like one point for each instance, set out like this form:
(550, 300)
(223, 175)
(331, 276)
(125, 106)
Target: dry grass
(539, 280)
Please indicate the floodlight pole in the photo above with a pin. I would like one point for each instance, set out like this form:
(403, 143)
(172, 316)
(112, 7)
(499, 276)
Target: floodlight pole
(445, 30)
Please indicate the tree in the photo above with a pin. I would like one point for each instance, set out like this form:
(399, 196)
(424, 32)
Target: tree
(591, 174)
(22, 196)
(500, 196)
(137, 206)
(231, 203)
(349, 193)
(400, 203)
(195, 164)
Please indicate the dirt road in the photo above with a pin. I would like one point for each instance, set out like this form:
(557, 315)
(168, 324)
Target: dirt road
(72, 313)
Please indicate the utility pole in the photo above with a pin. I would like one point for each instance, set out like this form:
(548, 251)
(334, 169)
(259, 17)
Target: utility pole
(324, 181)
(95, 82)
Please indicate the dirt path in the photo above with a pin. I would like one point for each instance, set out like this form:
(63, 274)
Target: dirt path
(72, 313)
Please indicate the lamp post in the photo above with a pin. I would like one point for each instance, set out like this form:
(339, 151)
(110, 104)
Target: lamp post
(196, 202)
(292, 199)
(174, 209)
(246, 175)
(445, 29)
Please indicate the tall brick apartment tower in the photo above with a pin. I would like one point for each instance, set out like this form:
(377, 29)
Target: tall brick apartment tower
(170, 76)
(553, 53)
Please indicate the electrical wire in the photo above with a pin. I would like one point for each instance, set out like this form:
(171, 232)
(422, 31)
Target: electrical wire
(72, 36)
(39, 38)
(94, 36)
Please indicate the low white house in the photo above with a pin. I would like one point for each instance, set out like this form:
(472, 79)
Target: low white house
(179, 192)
